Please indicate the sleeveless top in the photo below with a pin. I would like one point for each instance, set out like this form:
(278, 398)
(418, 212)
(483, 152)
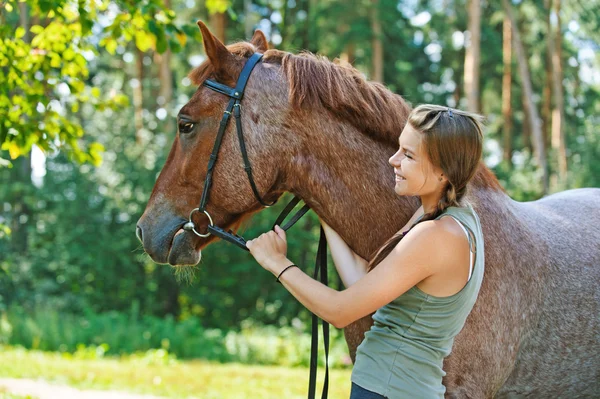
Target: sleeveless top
(402, 354)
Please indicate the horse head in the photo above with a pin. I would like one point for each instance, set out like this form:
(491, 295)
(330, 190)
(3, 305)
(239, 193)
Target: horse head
(180, 184)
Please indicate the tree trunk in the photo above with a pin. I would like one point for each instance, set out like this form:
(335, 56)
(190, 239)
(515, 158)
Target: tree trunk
(165, 76)
(21, 210)
(376, 43)
(558, 113)
(306, 27)
(248, 21)
(506, 90)
(138, 95)
(472, 56)
(547, 93)
(349, 55)
(217, 23)
(534, 120)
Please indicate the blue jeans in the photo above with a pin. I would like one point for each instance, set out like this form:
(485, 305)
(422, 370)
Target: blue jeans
(358, 392)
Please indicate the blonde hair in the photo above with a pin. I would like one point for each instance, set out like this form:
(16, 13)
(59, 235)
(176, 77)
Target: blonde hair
(453, 141)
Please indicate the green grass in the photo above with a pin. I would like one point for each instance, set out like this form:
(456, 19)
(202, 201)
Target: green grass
(7, 395)
(164, 376)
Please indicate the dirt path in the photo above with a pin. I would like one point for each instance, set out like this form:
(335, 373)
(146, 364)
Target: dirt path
(40, 389)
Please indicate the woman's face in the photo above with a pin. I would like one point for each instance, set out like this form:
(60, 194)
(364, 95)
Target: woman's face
(415, 175)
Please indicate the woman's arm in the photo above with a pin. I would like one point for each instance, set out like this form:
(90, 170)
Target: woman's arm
(350, 266)
(418, 256)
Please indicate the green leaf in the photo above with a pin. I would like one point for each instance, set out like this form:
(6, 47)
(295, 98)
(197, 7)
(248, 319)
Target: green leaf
(143, 40)
(217, 6)
(20, 32)
(37, 29)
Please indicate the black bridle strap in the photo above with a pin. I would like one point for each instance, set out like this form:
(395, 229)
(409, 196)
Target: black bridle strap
(223, 89)
(235, 95)
(213, 156)
(320, 266)
(238, 123)
(286, 211)
(238, 91)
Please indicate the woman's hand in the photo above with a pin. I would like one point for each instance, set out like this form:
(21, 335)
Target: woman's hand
(269, 248)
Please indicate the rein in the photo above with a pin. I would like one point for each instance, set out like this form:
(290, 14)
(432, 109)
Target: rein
(234, 107)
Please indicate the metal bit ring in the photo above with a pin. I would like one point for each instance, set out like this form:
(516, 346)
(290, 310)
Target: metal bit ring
(190, 226)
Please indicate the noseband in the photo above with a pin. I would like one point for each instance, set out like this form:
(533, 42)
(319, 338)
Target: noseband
(234, 106)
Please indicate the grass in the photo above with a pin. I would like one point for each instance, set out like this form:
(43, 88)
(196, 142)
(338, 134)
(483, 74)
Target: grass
(165, 376)
(7, 395)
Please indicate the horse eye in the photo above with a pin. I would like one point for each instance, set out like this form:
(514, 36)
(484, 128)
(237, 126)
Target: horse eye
(186, 127)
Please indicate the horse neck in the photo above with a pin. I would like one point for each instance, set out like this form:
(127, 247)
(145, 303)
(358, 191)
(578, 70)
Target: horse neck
(344, 176)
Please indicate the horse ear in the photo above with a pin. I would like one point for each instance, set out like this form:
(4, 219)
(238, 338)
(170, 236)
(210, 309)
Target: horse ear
(216, 51)
(260, 41)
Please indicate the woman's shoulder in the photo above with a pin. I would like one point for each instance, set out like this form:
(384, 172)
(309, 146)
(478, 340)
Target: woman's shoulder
(441, 233)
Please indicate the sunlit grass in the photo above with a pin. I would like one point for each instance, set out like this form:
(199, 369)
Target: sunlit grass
(7, 395)
(177, 379)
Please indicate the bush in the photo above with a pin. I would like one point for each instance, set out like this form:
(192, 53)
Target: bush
(163, 340)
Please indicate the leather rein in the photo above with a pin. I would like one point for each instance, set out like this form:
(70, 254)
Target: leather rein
(234, 107)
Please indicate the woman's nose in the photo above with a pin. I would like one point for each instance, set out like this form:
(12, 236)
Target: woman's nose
(395, 159)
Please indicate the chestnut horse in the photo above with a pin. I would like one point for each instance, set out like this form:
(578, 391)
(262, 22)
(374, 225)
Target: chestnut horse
(323, 133)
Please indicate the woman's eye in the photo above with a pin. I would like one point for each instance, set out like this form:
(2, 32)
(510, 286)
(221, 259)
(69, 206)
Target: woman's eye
(186, 127)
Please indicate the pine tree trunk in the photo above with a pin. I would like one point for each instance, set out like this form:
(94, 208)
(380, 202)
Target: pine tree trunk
(22, 212)
(376, 43)
(534, 120)
(506, 90)
(165, 76)
(306, 28)
(472, 56)
(547, 93)
(558, 113)
(248, 26)
(217, 23)
(138, 96)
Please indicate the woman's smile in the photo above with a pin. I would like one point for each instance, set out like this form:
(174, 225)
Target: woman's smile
(399, 177)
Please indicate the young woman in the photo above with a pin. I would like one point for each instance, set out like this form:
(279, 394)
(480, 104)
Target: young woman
(423, 282)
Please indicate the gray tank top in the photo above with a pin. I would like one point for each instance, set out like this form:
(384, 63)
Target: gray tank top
(403, 352)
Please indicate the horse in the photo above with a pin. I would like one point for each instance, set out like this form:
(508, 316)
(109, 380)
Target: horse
(321, 131)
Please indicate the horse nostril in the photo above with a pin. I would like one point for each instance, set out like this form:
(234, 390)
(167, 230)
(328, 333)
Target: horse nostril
(138, 233)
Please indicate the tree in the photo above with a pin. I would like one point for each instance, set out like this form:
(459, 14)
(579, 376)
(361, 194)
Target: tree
(472, 56)
(558, 112)
(45, 78)
(377, 43)
(506, 89)
(534, 120)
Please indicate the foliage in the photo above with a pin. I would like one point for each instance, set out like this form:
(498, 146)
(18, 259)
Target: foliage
(44, 68)
(163, 340)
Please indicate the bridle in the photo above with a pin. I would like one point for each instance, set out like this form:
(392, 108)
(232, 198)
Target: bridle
(234, 107)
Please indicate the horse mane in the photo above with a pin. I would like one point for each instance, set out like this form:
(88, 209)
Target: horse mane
(341, 89)
(316, 82)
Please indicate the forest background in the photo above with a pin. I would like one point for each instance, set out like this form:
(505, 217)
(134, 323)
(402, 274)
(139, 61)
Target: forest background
(89, 91)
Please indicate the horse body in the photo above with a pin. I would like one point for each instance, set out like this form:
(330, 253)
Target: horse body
(325, 135)
(560, 347)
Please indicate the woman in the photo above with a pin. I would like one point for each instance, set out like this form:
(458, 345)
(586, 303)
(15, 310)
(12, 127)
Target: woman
(423, 282)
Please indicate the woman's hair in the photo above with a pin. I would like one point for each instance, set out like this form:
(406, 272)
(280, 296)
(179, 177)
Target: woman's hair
(453, 142)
